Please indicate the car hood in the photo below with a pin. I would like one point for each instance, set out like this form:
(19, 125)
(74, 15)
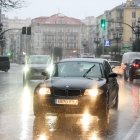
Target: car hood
(37, 66)
(76, 83)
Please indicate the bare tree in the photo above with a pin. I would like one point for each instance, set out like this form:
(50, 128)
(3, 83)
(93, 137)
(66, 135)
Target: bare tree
(6, 5)
(11, 4)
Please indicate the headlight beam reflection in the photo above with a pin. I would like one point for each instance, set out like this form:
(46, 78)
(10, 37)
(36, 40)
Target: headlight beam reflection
(85, 121)
(26, 104)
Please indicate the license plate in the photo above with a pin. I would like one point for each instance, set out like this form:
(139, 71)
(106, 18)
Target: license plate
(66, 102)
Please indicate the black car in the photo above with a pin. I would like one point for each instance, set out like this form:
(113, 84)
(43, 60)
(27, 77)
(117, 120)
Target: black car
(4, 63)
(75, 85)
(132, 70)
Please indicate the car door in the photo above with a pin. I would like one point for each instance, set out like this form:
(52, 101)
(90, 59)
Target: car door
(111, 83)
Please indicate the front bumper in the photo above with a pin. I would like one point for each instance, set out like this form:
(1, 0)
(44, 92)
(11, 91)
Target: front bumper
(88, 103)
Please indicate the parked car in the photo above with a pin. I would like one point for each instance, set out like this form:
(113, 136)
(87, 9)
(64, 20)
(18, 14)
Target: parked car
(34, 65)
(77, 84)
(116, 67)
(132, 70)
(4, 63)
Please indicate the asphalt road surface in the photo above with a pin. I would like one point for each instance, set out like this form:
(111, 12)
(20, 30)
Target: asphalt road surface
(17, 121)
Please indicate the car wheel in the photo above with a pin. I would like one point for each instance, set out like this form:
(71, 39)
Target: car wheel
(38, 109)
(131, 79)
(6, 70)
(125, 78)
(103, 113)
(115, 106)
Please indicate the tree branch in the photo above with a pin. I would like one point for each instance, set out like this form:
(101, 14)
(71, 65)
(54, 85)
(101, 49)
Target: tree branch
(11, 4)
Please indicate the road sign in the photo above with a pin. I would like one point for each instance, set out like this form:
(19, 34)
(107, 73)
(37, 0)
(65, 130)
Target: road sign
(107, 43)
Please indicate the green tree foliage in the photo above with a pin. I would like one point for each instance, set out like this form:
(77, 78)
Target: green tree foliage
(113, 49)
(136, 46)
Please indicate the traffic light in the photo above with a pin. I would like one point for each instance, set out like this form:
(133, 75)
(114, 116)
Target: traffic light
(103, 23)
(24, 30)
(28, 30)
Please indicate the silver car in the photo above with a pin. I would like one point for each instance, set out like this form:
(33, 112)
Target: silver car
(34, 65)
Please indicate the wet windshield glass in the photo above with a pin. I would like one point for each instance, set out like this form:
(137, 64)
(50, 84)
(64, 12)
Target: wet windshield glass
(78, 69)
(38, 59)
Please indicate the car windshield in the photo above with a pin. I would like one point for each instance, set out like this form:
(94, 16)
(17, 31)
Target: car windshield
(136, 61)
(38, 59)
(78, 69)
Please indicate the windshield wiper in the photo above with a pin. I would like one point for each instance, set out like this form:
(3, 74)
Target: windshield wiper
(88, 71)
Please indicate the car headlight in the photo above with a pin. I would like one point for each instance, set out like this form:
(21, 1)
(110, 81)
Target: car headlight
(44, 91)
(26, 69)
(50, 69)
(93, 92)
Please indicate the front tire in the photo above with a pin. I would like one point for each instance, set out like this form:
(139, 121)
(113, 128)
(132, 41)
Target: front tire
(130, 78)
(103, 114)
(125, 77)
(38, 108)
(6, 70)
(115, 106)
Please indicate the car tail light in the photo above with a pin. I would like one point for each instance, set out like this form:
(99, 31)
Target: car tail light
(135, 65)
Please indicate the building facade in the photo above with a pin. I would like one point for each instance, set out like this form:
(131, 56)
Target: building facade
(58, 31)
(121, 25)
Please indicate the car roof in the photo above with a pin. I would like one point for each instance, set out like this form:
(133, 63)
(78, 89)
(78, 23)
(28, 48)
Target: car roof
(135, 59)
(97, 60)
(114, 61)
(38, 55)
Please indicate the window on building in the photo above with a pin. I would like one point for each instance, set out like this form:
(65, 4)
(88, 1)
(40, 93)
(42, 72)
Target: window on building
(133, 24)
(133, 14)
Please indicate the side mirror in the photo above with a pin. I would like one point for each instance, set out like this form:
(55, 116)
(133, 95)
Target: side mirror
(112, 74)
(45, 74)
(112, 67)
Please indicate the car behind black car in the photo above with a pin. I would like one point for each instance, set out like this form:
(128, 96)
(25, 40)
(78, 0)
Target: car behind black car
(34, 65)
(132, 70)
(76, 85)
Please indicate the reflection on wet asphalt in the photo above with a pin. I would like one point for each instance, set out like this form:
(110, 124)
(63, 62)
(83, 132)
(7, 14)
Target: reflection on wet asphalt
(71, 127)
(17, 121)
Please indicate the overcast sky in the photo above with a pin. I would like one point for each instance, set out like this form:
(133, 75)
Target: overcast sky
(73, 8)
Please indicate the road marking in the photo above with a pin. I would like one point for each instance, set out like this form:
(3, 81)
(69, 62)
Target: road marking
(131, 131)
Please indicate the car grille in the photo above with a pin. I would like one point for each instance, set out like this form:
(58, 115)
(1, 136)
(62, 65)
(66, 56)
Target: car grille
(36, 70)
(66, 92)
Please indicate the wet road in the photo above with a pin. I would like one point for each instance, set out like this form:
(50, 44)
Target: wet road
(17, 121)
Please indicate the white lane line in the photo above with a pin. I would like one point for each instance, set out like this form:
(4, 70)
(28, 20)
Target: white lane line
(131, 131)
